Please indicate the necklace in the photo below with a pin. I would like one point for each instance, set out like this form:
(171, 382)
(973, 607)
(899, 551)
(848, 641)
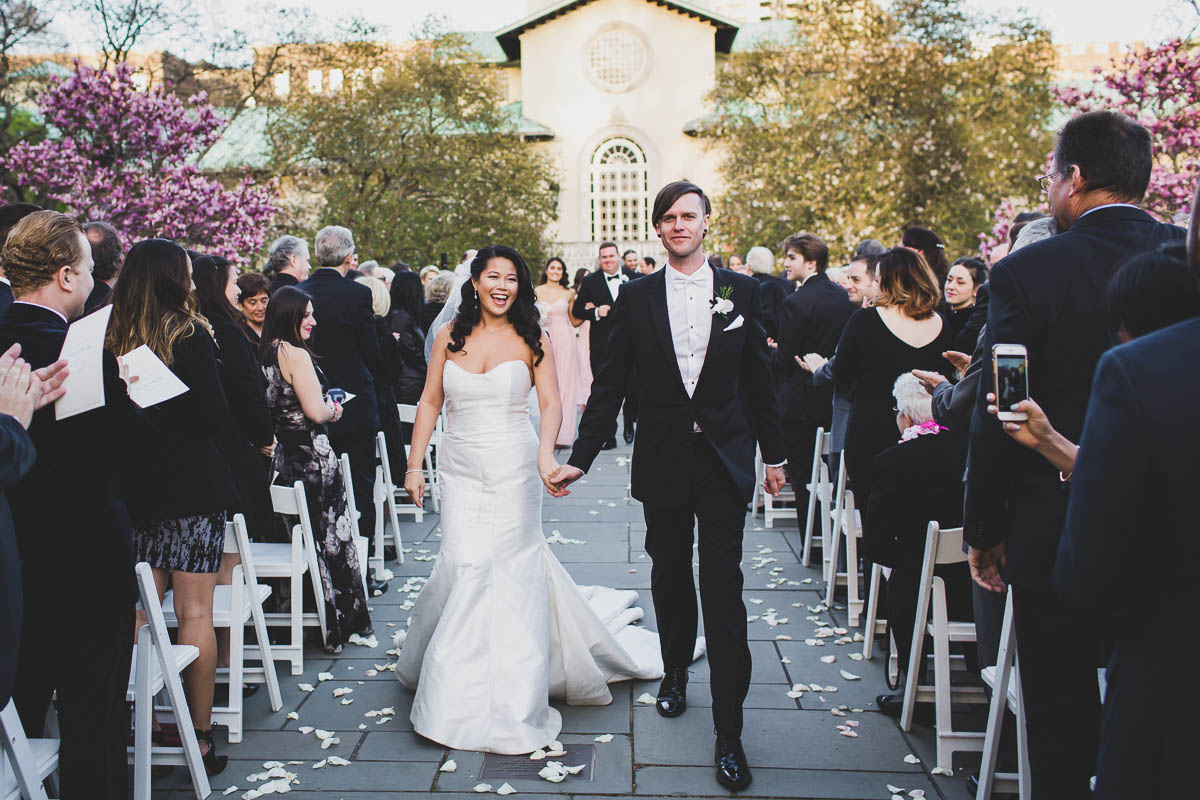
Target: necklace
(490, 330)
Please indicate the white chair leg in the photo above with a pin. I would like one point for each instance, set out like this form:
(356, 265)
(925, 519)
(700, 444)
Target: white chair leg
(854, 601)
(143, 716)
(377, 562)
(872, 611)
(267, 656)
(18, 756)
(814, 492)
(914, 661)
(941, 668)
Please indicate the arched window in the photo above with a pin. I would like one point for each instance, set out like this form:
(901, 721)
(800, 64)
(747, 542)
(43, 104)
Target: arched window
(620, 185)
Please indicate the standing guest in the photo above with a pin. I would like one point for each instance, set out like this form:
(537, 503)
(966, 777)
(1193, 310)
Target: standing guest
(630, 263)
(369, 269)
(428, 273)
(181, 490)
(437, 292)
(402, 320)
(287, 262)
(868, 247)
(810, 321)
(253, 293)
(296, 389)
(594, 303)
(583, 337)
(838, 276)
(931, 246)
(861, 283)
(108, 254)
(70, 503)
(348, 345)
(738, 264)
(10, 215)
(962, 287)
(555, 294)
(716, 262)
(648, 265)
(400, 266)
(391, 367)
(1049, 297)
(252, 436)
(771, 290)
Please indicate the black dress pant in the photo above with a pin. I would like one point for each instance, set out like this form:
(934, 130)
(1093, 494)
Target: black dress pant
(1058, 651)
(79, 646)
(715, 507)
(360, 446)
(799, 442)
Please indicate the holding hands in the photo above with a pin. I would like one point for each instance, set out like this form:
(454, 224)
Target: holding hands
(558, 481)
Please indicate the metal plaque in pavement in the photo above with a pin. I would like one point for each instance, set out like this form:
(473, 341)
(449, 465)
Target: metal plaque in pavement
(506, 768)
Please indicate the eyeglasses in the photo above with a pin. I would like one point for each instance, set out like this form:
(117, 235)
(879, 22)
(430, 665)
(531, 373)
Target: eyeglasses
(1046, 181)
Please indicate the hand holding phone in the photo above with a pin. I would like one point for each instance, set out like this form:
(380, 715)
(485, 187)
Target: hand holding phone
(1010, 376)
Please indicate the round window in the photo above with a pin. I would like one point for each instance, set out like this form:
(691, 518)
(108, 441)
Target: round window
(617, 58)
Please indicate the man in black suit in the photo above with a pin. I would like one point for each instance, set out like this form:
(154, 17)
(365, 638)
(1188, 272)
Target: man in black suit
(108, 256)
(594, 302)
(287, 262)
(1050, 297)
(10, 215)
(348, 351)
(69, 514)
(694, 335)
(810, 321)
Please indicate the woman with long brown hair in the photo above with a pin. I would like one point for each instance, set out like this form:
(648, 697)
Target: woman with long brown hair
(180, 490)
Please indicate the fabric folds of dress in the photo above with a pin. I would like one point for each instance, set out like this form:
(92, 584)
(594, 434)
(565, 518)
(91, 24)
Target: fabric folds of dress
(557, 323)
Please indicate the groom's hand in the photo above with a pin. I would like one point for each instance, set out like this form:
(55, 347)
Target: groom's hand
(560, 480)
(774, 481)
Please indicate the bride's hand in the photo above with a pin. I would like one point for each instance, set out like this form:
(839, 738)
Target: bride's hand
(414, 484)
(562, 478)
(548, 467)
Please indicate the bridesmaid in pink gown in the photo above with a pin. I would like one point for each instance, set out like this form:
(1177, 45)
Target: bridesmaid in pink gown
(554, 299)
(583, 349)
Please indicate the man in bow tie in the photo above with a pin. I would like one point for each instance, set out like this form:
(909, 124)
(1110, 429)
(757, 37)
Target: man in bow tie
(594, 302)
(695, 337)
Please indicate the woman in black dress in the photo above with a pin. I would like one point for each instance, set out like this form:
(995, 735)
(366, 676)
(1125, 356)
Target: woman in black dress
(389, 372)
(299, 407)
(254, 290)
(402, 320)
(180, 491)
(902, 332)
(962, 287)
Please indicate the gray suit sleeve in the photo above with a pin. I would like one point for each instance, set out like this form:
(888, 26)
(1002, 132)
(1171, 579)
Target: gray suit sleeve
(825, 374)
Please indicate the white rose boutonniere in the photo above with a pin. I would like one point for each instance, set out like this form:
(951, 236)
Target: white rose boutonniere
(721, 304)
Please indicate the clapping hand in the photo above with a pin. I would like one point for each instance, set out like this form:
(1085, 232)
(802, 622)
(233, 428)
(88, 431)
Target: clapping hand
(24, 390)
(559, 480)
(811, 362)
(960, 361)
(985, 566)
(930, 380)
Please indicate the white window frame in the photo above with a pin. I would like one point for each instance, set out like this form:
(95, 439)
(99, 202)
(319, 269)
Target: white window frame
(619, 191)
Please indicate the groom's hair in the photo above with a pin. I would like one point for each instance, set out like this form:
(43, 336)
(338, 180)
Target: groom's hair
(672, 192)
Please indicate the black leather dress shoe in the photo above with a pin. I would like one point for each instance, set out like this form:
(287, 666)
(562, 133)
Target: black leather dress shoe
(376, 586)
(611, 444)
(672, 693)
(629, 437)
(732, 770)
(893, 705)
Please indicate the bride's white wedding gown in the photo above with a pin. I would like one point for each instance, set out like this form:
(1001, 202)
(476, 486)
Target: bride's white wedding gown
(500, 627)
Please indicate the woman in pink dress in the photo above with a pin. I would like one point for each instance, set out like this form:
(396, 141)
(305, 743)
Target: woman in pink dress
(554, 298)
(583, 349)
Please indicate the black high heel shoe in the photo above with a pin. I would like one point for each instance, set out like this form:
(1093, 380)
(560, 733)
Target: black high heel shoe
(213, 763)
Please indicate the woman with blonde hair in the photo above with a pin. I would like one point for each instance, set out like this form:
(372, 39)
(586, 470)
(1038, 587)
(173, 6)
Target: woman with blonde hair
(180, 490)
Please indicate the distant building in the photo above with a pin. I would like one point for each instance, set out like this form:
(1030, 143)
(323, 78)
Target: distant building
(1077, 60)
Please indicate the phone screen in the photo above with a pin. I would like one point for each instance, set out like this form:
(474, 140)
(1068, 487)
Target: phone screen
(1012, 384)
(337, 395)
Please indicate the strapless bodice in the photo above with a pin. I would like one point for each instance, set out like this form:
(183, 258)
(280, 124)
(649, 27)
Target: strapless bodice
(487, 405)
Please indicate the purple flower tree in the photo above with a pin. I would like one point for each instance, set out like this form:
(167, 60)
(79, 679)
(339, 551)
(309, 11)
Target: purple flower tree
(128, 157)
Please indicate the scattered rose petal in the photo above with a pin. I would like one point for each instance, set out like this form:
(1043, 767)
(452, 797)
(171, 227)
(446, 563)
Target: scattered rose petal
(306, 687)
(293, 715)
(449, 766)
(894, 789)
(344, 690)
(324, 676)
(338, 761)
(856, 656)
(483, 788)
(941, 771)
(306, 729)
(911, 759)
(506, 789)
(537, 755)
(850, 676)
(828, 659)
(604, 738)
(647, 699)
(330, 742)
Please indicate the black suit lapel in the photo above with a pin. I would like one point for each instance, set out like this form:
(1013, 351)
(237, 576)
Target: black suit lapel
(662, 323)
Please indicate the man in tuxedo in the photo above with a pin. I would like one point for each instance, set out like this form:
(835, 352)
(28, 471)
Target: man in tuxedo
(69, 513)
(108, 256)
(810, 321)
(348, 351)
(695, 337)
(631, 264)
(10, 215)
(287, 262)
(594, 302)
(1050, 297)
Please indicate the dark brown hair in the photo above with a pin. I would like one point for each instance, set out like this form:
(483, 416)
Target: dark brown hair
(670, 193)
(285, 312)
(153, 302)
(906, 282)
(810, 247)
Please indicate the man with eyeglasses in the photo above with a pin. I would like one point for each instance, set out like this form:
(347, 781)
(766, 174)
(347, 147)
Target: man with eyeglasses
(1050, 297)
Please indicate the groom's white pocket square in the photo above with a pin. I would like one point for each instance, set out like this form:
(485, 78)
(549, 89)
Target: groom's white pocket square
(737, 323)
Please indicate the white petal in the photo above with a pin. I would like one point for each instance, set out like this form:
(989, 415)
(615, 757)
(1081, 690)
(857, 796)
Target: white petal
(941, 771)
(506, 789)
(850, 676)
(293, 715)
(894, 789)
(342, 691)
(849, 734)
(830, 689)
(230, 790)
(575, 770)
(483, 788)
(323, 735)
(785, 660)
(537, 755)
(338, 761)
(306, 729)
(917, 793)
(347, 701)
(647, 699)
(324, 676)
(604, 738)
(449, 766)
(828, 659)
(795, 695)
(330, 742)
(306, 687)
(856, 656)
(911, 759)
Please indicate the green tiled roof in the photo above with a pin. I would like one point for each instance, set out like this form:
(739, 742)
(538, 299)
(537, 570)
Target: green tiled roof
(242, 144)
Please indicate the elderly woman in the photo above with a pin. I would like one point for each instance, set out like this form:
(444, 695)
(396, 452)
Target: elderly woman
(772, 290)
(437, 291)
(915, 481)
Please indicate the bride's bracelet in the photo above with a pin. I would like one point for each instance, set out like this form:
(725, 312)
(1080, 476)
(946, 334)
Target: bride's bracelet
(413, 470)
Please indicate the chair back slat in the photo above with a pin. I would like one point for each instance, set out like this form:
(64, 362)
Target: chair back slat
(235, 530)
(408, 413)
(284, 500)
(949, 546)
(348, 485)
(382, 451)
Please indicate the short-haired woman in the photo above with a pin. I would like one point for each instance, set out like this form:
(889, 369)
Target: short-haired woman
(254, 290)
(299, 407)
(962, 286)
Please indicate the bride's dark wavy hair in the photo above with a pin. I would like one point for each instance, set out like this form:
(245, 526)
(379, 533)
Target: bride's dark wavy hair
(523, 315)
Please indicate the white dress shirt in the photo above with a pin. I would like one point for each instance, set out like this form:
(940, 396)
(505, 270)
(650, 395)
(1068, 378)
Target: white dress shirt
(689, 310)
(614, 282)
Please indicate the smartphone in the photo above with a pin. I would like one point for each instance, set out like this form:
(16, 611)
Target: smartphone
(336, 395)
(1010, 372)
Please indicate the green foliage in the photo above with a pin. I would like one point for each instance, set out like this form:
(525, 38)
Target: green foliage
(423, 160)
(875, 119)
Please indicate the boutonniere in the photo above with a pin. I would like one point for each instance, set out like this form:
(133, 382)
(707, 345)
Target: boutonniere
(721, 304)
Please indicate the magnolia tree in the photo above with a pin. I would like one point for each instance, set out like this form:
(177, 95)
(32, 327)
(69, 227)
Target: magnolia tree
(128, 157)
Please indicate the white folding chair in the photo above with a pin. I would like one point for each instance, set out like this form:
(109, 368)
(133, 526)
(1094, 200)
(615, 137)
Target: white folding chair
(156, 666)
(941, 547)
(848, 527)
(361, 545)
(760, 474)
(408, 413)
(237, 540)
(292, 560)
(1005, 673)
(385, 502)
(820, 492)
(832, 524)
(27, 762)
(875, 626)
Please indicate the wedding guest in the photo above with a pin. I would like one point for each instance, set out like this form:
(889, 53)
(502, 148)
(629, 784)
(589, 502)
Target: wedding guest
(861, 283)
(300, 408)
(253, 293)
(427, 274)
(108, 255)
(437, 291)
(402, 320)
(868, 247)
(10, 215)
(71, 503)
(962, 285)
(738, 264)
(931, 246)
(400, 266)
(594, 301)
(348, 344)
(252, 435)
(771, 290)
(716, 262)
(630, 264)
(648, 265)
(287, 262)
(583, 337)
(370, 269)
(391, 367)
(181, 489)
(555, 294)
(1049, 297)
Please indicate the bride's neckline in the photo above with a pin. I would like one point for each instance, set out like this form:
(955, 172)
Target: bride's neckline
(486, 371)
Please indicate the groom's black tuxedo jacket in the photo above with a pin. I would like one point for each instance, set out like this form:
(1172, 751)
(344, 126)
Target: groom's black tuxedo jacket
(734, 402)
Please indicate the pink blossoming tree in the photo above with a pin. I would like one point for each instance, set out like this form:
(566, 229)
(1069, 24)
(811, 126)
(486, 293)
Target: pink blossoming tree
(128, 157)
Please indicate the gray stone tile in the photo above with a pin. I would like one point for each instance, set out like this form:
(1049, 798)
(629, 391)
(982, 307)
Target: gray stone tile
(612, 718)
(766, 667)
(381, 745)
(805, 783)
(617, 576)
(324, 711)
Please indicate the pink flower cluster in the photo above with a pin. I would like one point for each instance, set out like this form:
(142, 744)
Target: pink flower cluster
(128, 157)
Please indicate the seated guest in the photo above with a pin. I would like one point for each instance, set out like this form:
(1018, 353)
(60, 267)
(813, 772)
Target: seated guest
(402, 320)
(391, 365)
(437, 291)
(915, 481)
(108, 254)
(181, 488)
(68, 512)
(252, 435)
(300, 409)
(10, 215)
(962, 285)
(287, 262)
(253, 292)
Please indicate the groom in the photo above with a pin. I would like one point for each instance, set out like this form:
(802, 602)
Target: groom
(694, 335)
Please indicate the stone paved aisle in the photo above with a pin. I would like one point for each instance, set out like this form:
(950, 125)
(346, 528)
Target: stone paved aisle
(793, 744)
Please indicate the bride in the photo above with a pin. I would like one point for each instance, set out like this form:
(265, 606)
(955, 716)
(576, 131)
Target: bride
(500, 627)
